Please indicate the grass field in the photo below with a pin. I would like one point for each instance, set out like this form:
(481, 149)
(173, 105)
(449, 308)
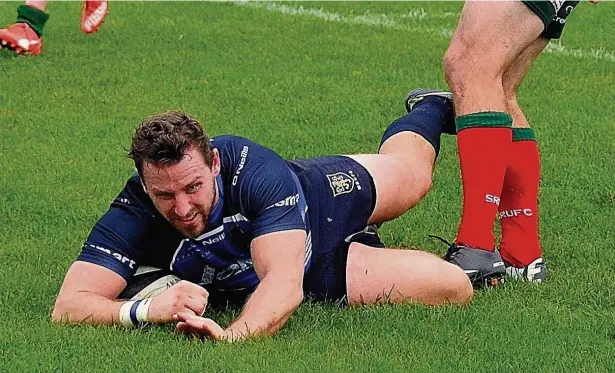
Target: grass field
(305, 79)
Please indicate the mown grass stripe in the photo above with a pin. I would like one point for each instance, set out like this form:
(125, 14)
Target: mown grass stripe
(390, 21)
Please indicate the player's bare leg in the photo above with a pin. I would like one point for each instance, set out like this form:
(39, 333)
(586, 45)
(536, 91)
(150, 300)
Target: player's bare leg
(37, 4)
(520, 245)
(488, 39)
(376, 275)
(402, 173)
(513, 77)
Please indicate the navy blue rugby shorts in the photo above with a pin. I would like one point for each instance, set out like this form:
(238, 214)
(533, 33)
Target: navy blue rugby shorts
(340, 196)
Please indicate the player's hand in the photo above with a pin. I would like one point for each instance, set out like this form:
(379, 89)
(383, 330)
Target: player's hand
(593, 1)
(184, 297)
(201, 327)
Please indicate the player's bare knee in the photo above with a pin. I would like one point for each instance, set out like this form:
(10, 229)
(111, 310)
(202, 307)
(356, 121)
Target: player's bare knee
(463, 293)
(57, 314)
(456, 68)
(60, 311)
(452, 64)
(463, 73)
(459, 288)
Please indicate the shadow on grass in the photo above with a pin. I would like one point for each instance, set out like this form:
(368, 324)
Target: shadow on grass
(7, 54)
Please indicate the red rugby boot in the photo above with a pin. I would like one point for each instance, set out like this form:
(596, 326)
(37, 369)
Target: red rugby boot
(93, 15)
(20, 38)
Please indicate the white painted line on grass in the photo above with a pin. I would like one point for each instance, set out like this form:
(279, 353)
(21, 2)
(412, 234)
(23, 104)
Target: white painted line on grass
(388, 21)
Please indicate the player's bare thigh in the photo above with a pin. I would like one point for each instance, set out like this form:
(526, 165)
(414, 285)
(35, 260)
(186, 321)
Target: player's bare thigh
(489, 37)
(395, 275)
(496, 29)
(401, 173)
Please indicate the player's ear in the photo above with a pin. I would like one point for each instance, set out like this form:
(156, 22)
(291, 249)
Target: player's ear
(215, 165)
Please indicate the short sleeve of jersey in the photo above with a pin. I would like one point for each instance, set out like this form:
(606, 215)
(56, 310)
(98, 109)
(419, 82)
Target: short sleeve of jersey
(117, 239)
(267, 191)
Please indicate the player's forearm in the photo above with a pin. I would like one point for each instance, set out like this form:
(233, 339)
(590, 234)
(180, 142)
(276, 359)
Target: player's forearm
(268, 309)
(88, 308)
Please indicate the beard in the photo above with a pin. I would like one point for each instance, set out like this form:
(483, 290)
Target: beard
(194, 228)
(199, 224)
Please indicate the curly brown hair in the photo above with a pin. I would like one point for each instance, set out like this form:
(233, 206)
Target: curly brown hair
(163, 140)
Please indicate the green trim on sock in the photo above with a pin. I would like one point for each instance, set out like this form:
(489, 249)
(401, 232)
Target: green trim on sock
(484, 119)
(523, 134)
(33, 17)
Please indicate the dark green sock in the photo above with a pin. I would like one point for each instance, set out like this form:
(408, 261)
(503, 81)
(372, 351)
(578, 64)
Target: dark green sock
(523, 134)
(483, 119)
(33, 17)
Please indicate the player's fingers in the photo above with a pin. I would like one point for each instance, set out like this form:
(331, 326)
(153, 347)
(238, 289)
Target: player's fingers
(183, 327)
(183, 316)
(206, 326)
(187, 330)
(195, 327)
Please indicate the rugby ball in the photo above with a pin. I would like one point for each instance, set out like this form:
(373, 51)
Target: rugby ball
(148, 282)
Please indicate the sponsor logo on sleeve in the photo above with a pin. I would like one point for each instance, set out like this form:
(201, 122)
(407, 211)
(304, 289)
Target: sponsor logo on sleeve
(288, 201)
(121, 258)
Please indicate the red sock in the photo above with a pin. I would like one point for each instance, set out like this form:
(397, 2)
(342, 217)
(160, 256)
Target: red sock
(520, 243)
(483, 140)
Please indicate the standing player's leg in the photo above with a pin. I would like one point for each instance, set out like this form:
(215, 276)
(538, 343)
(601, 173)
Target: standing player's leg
(24, 36)
(520, 245)
(514, 76)
(401, 173)
(488, 39)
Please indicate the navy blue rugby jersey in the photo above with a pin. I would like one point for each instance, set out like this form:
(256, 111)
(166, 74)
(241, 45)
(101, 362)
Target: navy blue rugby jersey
(259, 194)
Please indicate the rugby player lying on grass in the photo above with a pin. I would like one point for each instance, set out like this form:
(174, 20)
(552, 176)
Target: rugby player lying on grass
(239, 224)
